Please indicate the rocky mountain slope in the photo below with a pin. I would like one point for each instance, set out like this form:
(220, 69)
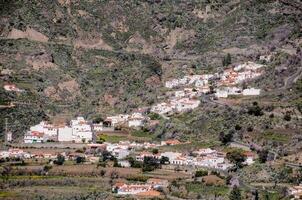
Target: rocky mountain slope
(96, 58)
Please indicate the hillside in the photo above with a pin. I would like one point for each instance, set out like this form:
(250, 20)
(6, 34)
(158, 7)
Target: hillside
(96, 58)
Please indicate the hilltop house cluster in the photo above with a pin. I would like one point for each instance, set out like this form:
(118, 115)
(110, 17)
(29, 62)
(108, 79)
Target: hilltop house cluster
(207, 158)
(150, 188)
(79, 131)
(14, 153)
(224, 82)
(136, 119)
(175, 106)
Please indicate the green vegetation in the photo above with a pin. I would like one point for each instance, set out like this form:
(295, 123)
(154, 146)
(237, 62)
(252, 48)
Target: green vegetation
(235, 194)
(236, 157)
(227, 60)
(277, 137)
(142, 133)
(112, 138)
(200, 188)
(201, 173)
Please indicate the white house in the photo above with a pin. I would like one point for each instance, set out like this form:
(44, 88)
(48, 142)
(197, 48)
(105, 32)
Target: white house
(206, 151)
(65, 134)
(172, 83)
(118, 119)
(49, 130)
(120, 153)
(12, 88)
(158, 183)
(171, 155)
(266, 58)
(4, 154)
(81, 130)
(221, 93)
(179, 161)
(179, 94)
(98, 127)
(249, 158)
(136, 120)
(185, 104)
(33, 137)
(142, 155)
(131, 189)
(162, 108)
(251, 92)
(124, 163)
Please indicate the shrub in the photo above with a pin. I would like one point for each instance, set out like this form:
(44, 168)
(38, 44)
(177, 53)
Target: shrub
(201, 173)
(60, 160)
(287, 116)
(80, 159)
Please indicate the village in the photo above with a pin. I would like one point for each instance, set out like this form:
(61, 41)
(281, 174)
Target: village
(81, 131)
(126, 154)
(183, 95)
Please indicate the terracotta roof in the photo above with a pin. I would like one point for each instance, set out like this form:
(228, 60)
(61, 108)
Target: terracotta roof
(149, 193)
(173, 142)
(36, 133)
(119, 184)
(249, 154)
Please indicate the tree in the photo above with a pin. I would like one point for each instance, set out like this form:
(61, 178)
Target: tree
(227, 60)
(155, 151)
(80, 159)
(235, 194)
(201, 173)
(236, 157)
(150, 164)
(287, 116)
(60, 160)
(106, 155)
(263, 154)
(225, 138)
(255, 110)
(164, 160)
(46, 168)
(134, 163)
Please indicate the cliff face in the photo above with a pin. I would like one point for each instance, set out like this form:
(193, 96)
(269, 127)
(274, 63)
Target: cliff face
(101, 57)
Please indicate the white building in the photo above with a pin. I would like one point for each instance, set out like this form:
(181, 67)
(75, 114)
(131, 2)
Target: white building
(49, 130)
(124, 163)
(81, 130)
(202, 152)
(185, 104)
(98, 127)
(34, 137)
(162, 108)
(119, 119)
(179, 94)
(251, 92)
(266, 58)
(171, 155)
(131, 189)
(12, 88)
(179, 161)
(65, 134)
(120, 153)
(136, 120)
(221, 93)
(248, 66)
